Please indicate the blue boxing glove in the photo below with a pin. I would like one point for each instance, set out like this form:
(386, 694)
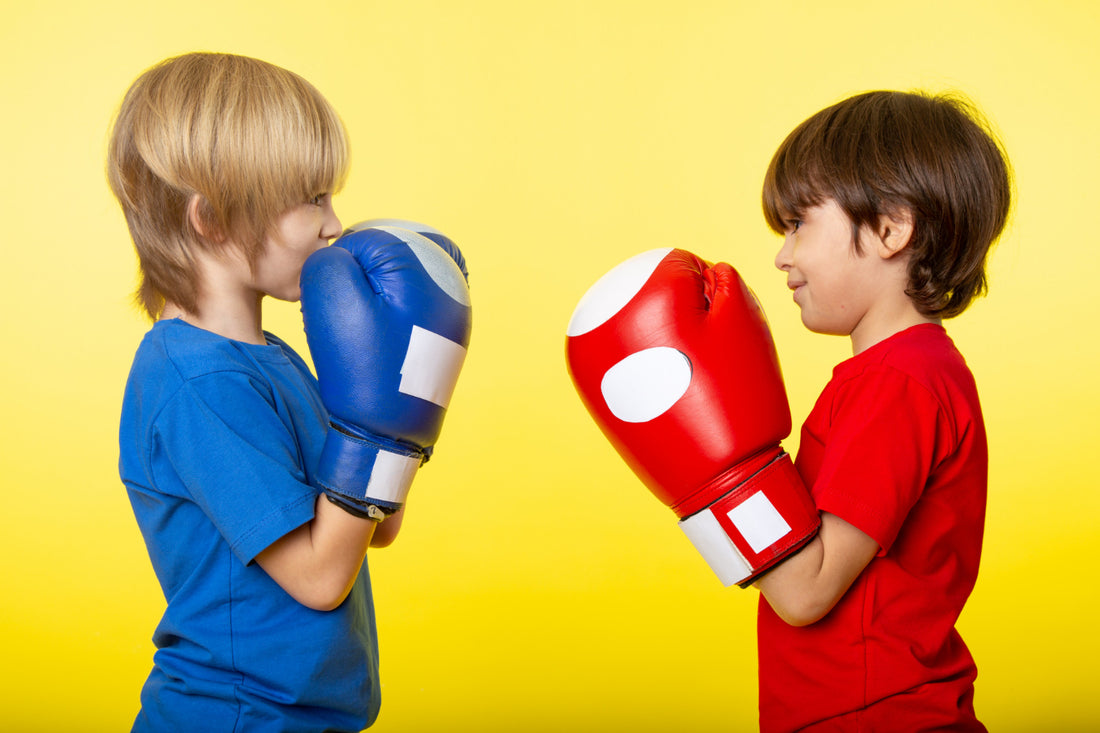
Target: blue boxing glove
(387, 318)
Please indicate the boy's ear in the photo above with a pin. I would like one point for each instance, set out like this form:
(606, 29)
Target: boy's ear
(201, 217)
(893, 232)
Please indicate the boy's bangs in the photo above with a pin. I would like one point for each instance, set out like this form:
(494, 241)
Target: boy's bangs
(322, 159)
(791, 186)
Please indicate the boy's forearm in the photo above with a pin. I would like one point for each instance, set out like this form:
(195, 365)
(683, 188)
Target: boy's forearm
(318, 563)
(788, 587)
(805, 587)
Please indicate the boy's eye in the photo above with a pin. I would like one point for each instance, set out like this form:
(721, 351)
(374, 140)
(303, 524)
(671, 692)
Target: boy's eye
(793, 225)
(318, 199)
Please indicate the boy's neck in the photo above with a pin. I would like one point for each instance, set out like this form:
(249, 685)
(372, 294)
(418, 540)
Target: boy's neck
(873, 330)
(228, 304)
(234, 319)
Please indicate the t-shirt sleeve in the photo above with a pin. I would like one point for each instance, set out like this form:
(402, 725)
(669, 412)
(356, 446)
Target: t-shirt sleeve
(880, 451)
(237, 458)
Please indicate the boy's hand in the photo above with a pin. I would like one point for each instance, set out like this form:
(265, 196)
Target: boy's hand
(387, 317)
(674, 360)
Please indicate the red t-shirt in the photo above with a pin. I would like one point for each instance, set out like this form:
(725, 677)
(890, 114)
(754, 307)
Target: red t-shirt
(895, 446)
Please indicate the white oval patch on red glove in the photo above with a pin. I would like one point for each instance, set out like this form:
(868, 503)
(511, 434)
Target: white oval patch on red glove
(646, 384)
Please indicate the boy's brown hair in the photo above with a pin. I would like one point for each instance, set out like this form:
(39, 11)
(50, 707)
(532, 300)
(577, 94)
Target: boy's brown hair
(884, 152)
(206, 151)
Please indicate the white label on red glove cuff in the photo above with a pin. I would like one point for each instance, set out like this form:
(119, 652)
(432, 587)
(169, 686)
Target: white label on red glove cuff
(431, 367)
(759, 522)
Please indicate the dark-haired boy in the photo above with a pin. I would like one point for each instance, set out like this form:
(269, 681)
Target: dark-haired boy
(888, 203)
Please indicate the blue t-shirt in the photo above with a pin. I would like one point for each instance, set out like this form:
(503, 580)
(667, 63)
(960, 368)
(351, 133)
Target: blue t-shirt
(217, 441)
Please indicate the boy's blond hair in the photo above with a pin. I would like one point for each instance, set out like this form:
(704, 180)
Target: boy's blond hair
(244, 139)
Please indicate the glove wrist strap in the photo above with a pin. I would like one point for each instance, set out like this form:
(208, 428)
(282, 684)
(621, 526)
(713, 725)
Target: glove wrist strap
(762, 520)
(367, 475)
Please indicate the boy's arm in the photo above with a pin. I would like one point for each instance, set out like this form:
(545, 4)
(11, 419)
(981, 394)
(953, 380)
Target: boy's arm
(317, 564)
(806, 586)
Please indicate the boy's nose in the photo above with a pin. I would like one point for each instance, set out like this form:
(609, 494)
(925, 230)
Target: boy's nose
(783, 256)
(332, 226)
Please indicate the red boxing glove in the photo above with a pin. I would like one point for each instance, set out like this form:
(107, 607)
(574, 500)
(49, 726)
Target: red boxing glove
(674, 361)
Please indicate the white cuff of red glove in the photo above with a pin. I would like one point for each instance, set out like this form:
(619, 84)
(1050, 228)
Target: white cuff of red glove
(756, 525)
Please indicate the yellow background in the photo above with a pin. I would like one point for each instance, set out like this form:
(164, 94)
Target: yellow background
(536, 585)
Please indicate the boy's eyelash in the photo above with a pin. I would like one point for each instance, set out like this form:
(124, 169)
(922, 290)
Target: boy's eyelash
(316, 200)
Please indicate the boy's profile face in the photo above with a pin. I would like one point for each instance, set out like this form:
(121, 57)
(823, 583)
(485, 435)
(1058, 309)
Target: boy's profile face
(838, 290)
(299, 232)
